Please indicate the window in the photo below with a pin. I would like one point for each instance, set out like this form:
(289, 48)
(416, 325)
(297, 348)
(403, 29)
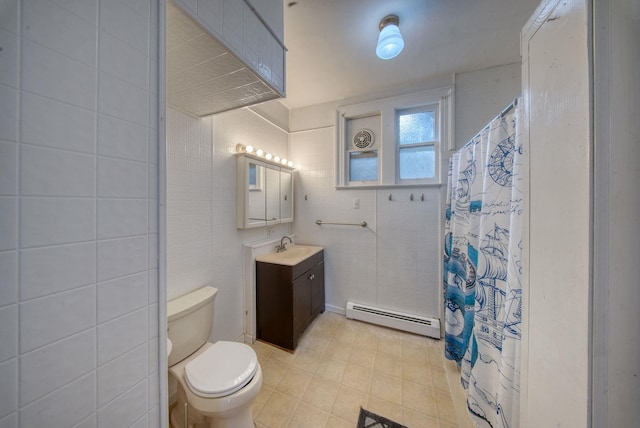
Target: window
(363, 166)
(409, 133)
(416, 142)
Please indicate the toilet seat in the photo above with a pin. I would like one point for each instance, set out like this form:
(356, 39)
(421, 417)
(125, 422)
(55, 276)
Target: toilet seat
(221, 370)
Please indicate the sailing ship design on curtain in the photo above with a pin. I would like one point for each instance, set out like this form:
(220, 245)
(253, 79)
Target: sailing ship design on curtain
(482, 269)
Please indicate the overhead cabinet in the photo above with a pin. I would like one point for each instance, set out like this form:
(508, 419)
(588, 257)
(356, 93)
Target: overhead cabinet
(224, 54)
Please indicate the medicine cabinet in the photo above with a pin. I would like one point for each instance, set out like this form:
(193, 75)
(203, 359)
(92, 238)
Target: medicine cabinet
(264, 193)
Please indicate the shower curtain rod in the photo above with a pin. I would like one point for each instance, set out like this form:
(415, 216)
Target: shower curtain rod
(511, 105)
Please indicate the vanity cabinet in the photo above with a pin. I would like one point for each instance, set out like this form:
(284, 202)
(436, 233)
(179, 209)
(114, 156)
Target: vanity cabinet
(288, 299)
(264, 193)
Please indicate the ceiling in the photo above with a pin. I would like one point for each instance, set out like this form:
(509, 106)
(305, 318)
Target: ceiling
(331, 43)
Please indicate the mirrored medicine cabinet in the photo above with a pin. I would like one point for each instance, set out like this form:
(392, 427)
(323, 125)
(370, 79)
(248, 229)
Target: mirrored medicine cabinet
(264, 194)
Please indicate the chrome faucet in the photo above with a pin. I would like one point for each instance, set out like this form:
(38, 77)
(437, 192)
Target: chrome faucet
(283, 247)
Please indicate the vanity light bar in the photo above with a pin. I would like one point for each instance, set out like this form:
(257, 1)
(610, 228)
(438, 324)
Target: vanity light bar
(241, 148)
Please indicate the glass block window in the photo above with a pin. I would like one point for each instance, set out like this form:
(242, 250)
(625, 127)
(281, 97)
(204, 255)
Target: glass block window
(363, 166)
(417, 137)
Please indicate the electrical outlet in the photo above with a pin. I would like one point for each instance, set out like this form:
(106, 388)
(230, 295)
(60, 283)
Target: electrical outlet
(271, 231)
(356, 203)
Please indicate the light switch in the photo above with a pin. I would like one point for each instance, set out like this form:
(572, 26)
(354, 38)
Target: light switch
(356, 203)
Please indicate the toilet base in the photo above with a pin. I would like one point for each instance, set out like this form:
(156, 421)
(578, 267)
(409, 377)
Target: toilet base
(197, 420)
(232, 411)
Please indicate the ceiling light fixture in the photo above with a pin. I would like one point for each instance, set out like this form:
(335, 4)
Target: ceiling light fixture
(390, 42)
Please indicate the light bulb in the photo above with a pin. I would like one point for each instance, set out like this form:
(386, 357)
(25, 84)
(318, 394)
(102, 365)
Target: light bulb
(268, 156)
(390, 42)
(249, 149)
(290, 163)
(284, 161)
(259, 152)
(276, 159)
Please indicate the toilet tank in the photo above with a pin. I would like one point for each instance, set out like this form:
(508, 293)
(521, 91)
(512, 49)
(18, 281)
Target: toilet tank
(190, 319)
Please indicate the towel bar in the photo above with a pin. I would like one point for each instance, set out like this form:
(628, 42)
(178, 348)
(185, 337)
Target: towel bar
(363, 224)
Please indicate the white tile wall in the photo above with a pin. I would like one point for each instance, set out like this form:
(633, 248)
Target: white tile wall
(53, 172)
(49, 270)
(53, 123)
(204, 246)
(78, 214)
(50, 74)
(394, 262)
(76, 356)
(64, 407)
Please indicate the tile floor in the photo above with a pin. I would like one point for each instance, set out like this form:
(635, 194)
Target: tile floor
(343, 364)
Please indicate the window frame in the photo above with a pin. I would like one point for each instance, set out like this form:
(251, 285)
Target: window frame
(387, 143)
(435, 108)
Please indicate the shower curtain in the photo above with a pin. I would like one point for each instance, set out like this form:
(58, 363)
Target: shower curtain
(483, 268)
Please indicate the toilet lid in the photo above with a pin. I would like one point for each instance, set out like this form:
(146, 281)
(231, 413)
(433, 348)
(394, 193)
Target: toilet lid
(222, 369)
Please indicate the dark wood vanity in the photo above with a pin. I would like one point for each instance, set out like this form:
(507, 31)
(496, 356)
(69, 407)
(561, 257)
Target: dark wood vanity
(288, 299)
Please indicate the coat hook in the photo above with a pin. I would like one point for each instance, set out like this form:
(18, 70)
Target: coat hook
(411, 197)
(390, 196)
(422, 197)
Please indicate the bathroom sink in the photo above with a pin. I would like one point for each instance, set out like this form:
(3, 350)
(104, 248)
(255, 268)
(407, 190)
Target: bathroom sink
(293, 255)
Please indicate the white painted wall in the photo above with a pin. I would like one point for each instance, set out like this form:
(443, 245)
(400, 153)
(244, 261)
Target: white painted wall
(79, 214)
(481, 95)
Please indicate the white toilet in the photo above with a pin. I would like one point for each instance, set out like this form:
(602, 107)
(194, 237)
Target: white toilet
(217, 381)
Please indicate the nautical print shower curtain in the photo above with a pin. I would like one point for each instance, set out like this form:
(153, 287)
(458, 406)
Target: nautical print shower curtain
(483, 269)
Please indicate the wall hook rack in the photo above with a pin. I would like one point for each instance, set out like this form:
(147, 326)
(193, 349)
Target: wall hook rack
(411, 197)
(422, 197)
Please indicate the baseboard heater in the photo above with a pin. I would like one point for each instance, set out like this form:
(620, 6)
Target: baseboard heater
(411, 323)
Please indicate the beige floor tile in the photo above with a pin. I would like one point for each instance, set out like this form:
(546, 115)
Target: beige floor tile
(336, 422)
(338, 350)
(401, 376)
(272, 372)
(366, 341)
(282, 356)
(307, 359)
(307, 416)
(331, 369)
(446, 411)
(390, 345)
(263, 350)
(387, 388)
(439, 379)
(417, 372)
(362, 358)
(321, 393)
(357, 377)
(384, 408)
(348, 403)
(277, 411)
(414, 419)
(419, 398)
(262, 398)
(387, 364)
(294, 383)
(316, 340)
